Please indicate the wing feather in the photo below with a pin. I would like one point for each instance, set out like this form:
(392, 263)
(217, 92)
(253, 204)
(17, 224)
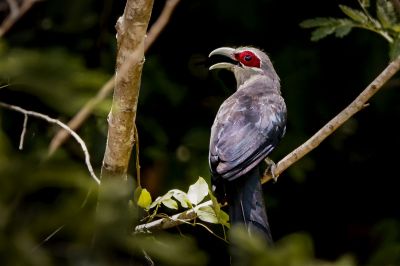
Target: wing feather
(246, 129)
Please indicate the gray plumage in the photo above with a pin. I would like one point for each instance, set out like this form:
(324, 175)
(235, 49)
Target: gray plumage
(248, 126)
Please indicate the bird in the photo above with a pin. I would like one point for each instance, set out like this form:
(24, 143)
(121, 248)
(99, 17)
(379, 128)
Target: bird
(247, 127)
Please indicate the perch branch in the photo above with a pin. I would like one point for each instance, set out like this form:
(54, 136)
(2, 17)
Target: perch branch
(57, 122)
(298, 153)
(87, 109)
(337, 121)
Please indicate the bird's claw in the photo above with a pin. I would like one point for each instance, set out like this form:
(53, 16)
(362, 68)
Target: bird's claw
(271, 166)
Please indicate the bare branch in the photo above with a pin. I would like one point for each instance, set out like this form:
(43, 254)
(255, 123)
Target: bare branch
(131, 30)
(62, 135)
(160, 23)
(15, 14)
(21, 140)
(87, 109)
(359, 103)
(169, 222)
(59, 123)
(13, 7)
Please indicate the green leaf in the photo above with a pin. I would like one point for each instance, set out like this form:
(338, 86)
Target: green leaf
(321, 33)
(215, 203)
(395, 49)
(160, 199)
(170, 203)
(364, 3)
(207, 214)
(386, 13)
(354, 14)
(182, 198)
(223, 217)
(155, 203)
(198, 191)
(136, 194)
(144, 200)
(318, 22)
(396, 27)
(342, 31)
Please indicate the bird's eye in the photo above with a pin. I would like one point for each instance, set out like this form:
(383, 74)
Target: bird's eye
(248, 57)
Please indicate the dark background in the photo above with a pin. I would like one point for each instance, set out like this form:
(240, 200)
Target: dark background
(344, 194)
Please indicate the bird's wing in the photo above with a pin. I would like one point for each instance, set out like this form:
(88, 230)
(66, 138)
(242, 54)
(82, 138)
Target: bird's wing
(246, 129)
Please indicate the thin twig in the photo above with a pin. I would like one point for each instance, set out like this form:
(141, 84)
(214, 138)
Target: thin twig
(358, 104)
(13, 8)
(160, 23)
(172, 221)
(22, 137)
(61, 124)
(337, 121)
(137, 158)
(62, 135)
(87, 109)
(13, 17)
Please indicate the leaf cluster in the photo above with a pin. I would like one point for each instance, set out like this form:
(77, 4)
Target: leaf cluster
(385, 22)
(193, 200)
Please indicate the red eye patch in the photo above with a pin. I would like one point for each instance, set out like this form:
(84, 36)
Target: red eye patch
(248, 58)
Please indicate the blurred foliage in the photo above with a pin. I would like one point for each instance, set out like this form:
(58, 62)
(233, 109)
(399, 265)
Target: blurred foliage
(386, 23)
(59, 76)
(343, 196)
(292, 250)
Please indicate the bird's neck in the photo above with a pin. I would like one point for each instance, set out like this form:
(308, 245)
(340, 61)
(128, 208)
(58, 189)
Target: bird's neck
(270, 79)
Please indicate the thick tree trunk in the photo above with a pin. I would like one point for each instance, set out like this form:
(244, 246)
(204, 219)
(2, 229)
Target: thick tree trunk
(112, 214)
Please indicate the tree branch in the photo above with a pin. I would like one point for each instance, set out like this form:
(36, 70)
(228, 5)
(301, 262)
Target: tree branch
(26, 113)
(169, 222)
(15, 14)
(87, 109)
(337, 121)
(115, 190)
(131, 30)
(299, 152)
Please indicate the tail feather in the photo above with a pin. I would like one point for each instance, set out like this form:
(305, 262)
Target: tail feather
(246, 205)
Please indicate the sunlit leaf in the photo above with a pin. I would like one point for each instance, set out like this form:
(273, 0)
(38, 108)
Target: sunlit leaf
(182, 197)
(223, 217)
(155, 202)
(160, 199)
(144, 200)
(207, 214)
(136, 194)
(170, 203)
(198, 191)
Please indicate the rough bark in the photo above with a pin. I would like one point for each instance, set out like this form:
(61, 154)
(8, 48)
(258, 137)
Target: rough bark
(113, 215)
(131, 31)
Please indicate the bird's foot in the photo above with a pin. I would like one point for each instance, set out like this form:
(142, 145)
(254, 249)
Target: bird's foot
(271, 166)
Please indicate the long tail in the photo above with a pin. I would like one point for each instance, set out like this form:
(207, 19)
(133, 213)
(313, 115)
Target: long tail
(246, 205)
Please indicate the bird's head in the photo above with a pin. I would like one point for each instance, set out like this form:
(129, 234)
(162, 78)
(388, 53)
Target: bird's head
(245, 63)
